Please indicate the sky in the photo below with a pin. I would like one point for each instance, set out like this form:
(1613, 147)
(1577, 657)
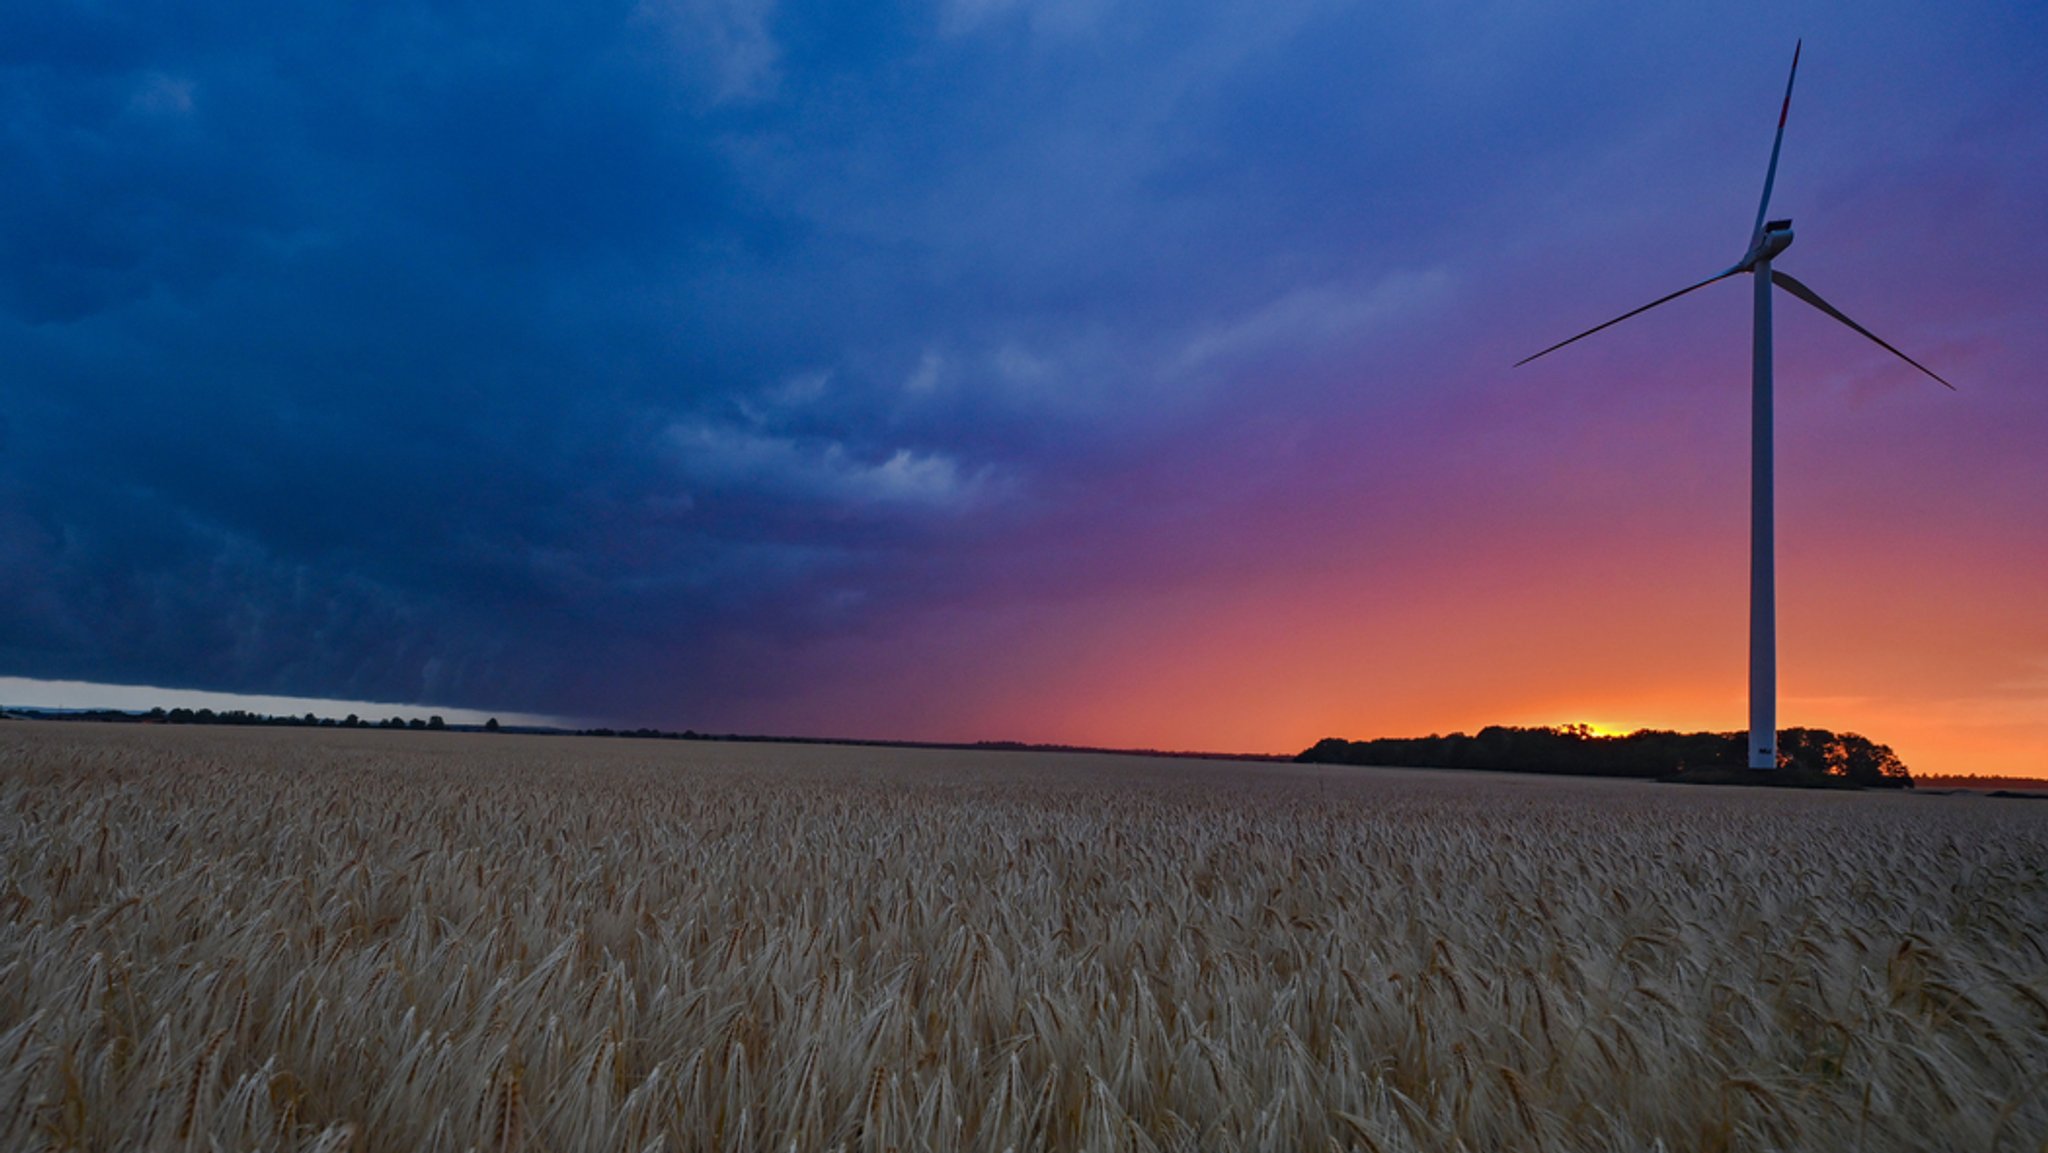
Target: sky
(1086, 371)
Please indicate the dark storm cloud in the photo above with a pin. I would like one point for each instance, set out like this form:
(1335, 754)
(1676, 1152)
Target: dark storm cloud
(472, 354)
(318, 394)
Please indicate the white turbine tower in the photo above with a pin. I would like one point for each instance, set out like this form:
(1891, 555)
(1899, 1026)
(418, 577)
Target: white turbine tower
(1766, 240)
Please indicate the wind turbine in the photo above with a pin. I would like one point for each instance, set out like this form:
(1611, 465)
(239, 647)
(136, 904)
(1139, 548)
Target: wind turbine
(1766, 240)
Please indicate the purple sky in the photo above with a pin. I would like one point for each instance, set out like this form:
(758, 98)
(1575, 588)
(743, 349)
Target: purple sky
(1087, 371)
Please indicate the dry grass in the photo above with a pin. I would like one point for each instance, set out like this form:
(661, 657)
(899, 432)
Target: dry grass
(223, 939)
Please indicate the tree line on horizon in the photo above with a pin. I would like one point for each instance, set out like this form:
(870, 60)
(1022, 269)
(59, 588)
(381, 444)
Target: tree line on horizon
(203, 716)
(1647, 753)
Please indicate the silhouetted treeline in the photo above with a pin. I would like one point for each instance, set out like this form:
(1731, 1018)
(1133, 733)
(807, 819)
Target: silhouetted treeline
(184, 716)
(1979, 782)
(1650, 753)
(885, 743)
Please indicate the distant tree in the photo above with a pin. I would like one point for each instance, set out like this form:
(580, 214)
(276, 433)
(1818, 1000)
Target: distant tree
(1852, 756)
(311, 719)
(416, 723)
(435, 722)
(351, 721)
(491, 726)
(1866, 762)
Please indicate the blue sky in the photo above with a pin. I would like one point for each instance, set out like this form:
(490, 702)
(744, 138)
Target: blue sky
(946, 370)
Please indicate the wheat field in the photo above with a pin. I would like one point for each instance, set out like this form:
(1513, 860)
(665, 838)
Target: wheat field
(240, 939)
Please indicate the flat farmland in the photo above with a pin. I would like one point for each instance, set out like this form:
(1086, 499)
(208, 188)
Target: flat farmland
(305, 939)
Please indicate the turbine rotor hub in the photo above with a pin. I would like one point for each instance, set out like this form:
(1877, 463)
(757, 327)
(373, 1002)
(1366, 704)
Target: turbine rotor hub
(1777, 238)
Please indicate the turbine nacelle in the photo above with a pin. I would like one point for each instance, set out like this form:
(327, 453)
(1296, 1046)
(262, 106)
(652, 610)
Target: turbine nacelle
(1776, 238)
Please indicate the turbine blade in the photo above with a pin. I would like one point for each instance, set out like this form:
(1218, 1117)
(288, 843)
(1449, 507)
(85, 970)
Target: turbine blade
(1811, 297)
(1763, 207)
(1629, 313)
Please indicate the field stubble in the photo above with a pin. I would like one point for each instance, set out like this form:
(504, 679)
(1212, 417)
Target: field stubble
(300, 940)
